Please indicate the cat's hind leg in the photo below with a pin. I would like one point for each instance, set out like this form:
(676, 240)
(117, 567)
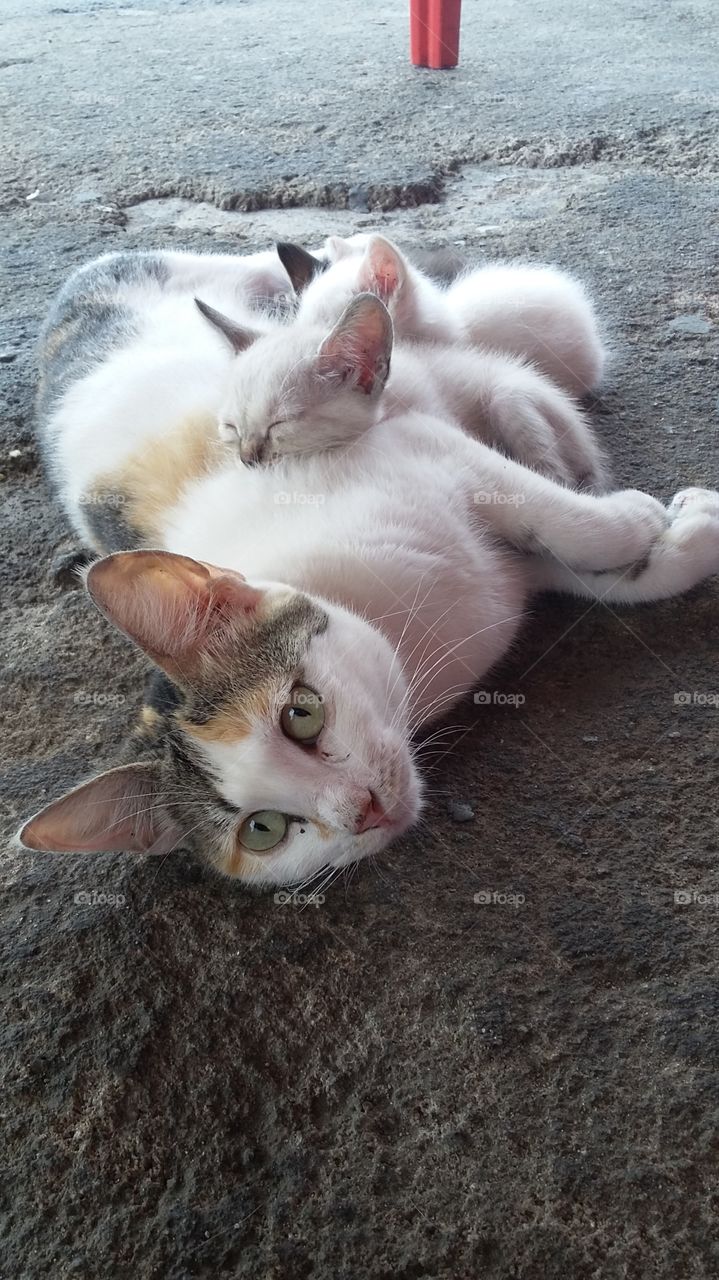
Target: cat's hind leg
(507, 403)
(686, 553)
(544, 428)
(532, 513)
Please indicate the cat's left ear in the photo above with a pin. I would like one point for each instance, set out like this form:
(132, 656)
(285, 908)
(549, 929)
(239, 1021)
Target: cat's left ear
(358, 349)
(301, 266)
(239, 336)
(120, 811)
(383, 270)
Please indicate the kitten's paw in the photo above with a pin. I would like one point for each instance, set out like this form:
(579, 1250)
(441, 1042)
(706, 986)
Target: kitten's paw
(694, 543)
(694, 531)
(637, 521)
(692, 502)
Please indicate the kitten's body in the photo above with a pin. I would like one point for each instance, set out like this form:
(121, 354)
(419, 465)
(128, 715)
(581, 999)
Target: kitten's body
(537, 313)
(387, 575)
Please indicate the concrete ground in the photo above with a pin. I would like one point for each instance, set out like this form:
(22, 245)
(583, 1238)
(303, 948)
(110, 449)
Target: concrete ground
(404, 1082)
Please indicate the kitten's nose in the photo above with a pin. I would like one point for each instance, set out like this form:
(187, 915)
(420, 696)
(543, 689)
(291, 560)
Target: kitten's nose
(251, 452)
(373, 815)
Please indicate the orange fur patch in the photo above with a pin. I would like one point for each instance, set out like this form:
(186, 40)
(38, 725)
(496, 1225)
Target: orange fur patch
(234, 721)
(237, 863)
(154, 478)
(150, 719)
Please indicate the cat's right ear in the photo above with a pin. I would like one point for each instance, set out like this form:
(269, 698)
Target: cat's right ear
(120, 811)
(239, 336)
(301, 266)
(383, 271)
(359, 348)
(181, 612)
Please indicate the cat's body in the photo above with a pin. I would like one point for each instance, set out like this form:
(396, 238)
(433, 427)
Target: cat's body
(385, 576)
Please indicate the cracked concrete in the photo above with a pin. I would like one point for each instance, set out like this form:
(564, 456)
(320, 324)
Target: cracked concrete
(405, 1082)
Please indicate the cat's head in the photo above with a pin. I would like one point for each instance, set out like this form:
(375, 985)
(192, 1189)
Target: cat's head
(284, 748)
(373, 264)
(303, 388)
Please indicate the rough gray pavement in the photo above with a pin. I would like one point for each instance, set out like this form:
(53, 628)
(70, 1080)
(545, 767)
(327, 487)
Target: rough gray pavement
(405, 1082)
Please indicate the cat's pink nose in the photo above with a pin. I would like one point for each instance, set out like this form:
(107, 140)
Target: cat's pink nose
(372, 816)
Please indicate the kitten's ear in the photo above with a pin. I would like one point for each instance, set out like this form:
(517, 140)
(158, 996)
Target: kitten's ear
(176, 609)
(337, 248)
(118, 812)
(359, 348)
(383, 270)
(301, 266)
(239, 336)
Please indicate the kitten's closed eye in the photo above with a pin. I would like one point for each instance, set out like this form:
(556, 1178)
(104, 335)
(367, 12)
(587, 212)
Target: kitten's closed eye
(228, 432)
(253, 449)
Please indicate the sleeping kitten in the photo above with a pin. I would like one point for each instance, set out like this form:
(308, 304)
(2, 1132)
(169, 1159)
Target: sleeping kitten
(499, 399)
(538, 313)
(362, 591)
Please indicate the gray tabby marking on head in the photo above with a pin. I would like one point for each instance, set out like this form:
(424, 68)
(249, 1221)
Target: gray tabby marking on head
(274, 653)
(174, 722)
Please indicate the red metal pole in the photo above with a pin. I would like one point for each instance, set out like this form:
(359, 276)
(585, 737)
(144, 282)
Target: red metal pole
(434, 33)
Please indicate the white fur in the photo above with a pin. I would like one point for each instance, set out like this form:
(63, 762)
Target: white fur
(424, 545)
(536, 312)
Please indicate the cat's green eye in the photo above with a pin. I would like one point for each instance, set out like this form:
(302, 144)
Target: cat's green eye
(263, 830)
(303, 717)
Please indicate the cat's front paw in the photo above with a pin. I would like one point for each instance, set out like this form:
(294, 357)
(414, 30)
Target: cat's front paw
(637, 521)
(694, 531)
(693, 502)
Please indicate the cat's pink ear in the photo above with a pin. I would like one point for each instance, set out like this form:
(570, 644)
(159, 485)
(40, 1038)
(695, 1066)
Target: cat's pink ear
(239, 336)
(383, 271)
(358, 349)
(175, 608)
(119, 811)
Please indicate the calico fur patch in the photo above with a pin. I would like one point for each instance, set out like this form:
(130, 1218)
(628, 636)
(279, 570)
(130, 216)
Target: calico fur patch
(88, 321)
(126, 507)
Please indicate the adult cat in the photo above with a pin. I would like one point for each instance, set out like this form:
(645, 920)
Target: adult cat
(363, 589)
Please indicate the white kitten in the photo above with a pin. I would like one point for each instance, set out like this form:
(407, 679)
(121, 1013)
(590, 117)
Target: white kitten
(535, 312)
(275, 404)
